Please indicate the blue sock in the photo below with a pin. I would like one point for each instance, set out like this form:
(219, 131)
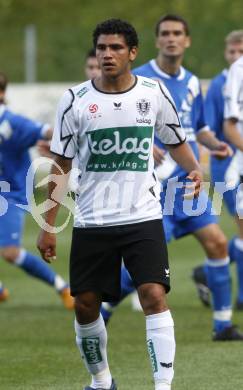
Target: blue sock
(36, 267)
(127, 288)
(231, 249)
(218, 279)
(238, 252)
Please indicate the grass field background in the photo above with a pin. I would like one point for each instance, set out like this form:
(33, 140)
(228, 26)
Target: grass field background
(38, 351)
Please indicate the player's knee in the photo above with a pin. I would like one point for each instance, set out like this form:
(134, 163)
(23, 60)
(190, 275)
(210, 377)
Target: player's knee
(217, 246)
(10, 254)
(152, 298)
(87, 307)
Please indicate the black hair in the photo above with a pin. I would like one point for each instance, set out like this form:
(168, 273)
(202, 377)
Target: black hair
(116, 26)
(173, 18)
(3, 82)
(90, 53)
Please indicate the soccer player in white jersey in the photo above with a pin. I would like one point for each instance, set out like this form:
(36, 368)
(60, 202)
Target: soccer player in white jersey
(110, 122)
(233, 130)
(221, 169)
(172, 39)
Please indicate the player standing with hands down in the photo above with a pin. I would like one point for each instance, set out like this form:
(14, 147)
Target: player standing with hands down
(102, 121)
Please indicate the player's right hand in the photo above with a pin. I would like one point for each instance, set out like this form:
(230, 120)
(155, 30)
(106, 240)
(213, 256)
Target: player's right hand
(195, 187)
(46, 244)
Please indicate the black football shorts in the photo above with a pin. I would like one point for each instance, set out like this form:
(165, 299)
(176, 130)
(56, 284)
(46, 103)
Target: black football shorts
(96, 255)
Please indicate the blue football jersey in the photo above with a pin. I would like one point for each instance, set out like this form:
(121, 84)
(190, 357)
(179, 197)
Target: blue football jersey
(17, 135)
(185, 90)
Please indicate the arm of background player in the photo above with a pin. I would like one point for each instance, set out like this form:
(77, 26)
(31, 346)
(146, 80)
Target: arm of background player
(56, 191)
(184, 156)
(218, 148)
(205, 136)
(232, 133)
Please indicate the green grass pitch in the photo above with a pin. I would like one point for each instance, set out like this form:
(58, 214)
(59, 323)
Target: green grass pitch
(37, 347)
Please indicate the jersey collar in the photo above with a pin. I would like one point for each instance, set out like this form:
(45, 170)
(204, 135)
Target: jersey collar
(115, 93)
(155, 67)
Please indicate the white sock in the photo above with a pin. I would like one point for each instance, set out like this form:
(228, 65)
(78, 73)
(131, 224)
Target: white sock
(161, 347)
(91, 340)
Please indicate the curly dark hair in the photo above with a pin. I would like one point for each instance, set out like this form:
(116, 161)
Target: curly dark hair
(116, 26)
(172, 18)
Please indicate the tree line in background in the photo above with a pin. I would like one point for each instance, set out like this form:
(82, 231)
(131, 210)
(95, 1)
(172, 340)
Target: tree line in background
(64, 32)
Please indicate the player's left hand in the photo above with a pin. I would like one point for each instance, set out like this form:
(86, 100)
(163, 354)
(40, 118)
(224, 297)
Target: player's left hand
(223, 150)
(195, 187)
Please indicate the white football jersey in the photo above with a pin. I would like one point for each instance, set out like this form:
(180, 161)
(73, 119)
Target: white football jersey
(111, 135)
(234, 98)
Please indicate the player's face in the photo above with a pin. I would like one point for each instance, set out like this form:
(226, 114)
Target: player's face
(113, 55)
(233, 51)
(92, 68)
(172, 39)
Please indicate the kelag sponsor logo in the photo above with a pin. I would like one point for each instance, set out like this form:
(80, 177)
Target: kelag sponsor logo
(120, 148)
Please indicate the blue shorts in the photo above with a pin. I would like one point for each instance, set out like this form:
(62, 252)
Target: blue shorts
(183, 217)
(217, 170)
(11, 226)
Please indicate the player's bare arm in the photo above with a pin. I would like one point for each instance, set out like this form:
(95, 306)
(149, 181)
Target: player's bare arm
(232, 133)
(56, 189)
(217, 148)
(184, 156)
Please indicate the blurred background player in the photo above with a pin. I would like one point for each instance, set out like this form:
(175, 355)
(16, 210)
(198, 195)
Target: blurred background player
(214, 114)
(233, 129)
(172, 39)
(91, 67)
(17, 135)
(4, 294)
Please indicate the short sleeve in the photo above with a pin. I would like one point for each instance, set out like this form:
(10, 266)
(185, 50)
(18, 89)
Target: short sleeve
(64, 139)
(168, 127)
(233, 89)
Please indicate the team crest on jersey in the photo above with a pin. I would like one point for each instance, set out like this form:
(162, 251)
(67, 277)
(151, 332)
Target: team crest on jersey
(143, 106)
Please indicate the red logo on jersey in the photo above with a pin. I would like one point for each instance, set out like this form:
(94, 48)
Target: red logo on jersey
(93, 108)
